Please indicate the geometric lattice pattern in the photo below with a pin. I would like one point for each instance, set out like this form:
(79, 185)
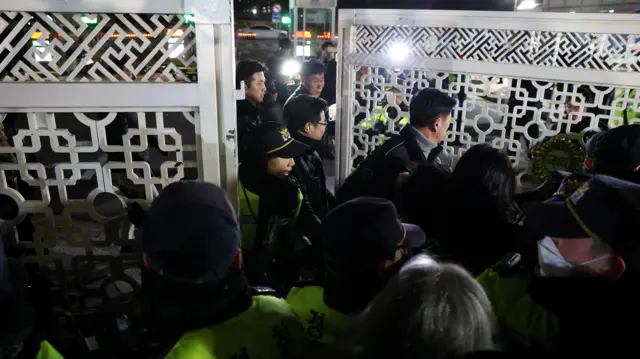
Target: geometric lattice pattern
(55, 47)
(613, 52)
(510, 114)
(73, 174)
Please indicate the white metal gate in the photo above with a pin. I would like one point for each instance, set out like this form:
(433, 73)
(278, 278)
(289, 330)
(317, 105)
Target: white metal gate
(69, 70)
(552, 55)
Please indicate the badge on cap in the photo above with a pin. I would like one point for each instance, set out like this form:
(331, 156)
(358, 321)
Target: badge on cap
(577, 195)
(285, 134)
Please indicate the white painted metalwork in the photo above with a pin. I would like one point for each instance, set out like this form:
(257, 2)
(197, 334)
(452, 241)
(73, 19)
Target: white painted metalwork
(117, 48)
(585, 6)
(69, 72)
(517, 69)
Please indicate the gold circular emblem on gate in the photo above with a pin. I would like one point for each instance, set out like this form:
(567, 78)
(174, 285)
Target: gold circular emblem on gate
(558, 153)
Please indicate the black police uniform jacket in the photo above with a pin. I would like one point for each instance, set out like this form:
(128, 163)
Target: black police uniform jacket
(248, 118)
(309, 171)
(377, 174)
(301, 90)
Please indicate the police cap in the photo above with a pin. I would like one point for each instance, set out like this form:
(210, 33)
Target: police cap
(586, 206)
(366, 231)
(191, 232)
(274, 140)
(615, 152)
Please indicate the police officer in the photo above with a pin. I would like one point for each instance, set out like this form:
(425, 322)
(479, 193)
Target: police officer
(308, 125)
(419, 143)
(278, 223)
(390, 109)
(615, 152)
(251, 73)
(365, 246)
(628, 115)
(579, 294)
(196, 286)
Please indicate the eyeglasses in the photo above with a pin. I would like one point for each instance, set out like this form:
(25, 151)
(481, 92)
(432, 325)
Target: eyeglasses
(322, 123)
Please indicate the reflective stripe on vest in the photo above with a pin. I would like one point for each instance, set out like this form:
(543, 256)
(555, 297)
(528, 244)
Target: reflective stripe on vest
(382, 118)
(516, 309)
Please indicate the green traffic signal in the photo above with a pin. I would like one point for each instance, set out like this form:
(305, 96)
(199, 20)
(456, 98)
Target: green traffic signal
(286, 20)
(89, 21)
(189, 19)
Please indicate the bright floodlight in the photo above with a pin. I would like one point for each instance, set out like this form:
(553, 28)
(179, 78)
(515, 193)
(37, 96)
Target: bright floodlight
(290, 68)
(254, 11)
(177, 51)
(528, 5)
(612, 11)
(399, 51)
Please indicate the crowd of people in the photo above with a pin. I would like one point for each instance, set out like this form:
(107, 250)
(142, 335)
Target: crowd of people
(481, 272)
(409, 260)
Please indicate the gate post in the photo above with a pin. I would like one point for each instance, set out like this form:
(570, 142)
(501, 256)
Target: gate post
(216, 133)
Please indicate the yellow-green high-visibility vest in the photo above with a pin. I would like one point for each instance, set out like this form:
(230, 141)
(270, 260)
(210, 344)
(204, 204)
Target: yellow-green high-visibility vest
(380, 117)
(47, 351)
(249, 214)
(628, 114)
(268, 329)
(321, 323)
(533, 324)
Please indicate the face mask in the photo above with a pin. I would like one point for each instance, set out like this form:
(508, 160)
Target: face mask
(552, 262)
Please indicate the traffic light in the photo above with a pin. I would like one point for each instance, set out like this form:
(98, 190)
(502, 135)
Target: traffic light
(189, 19)
(286, 20)
(89, 21)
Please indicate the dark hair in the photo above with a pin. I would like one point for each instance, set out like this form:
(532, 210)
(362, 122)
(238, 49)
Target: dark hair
(312, 67)
(485, 170)
(246, 69)
(431, 310)
(285, 44)
(422, 196)
(429, 104)
(303, 109)
(326, 44)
